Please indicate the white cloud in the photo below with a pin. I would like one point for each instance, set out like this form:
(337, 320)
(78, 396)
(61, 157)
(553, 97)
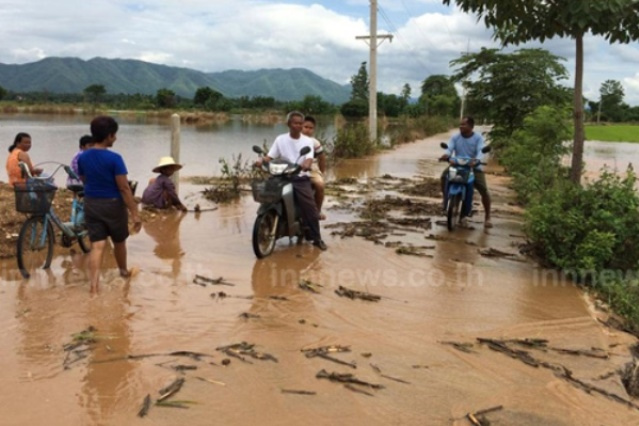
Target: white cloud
(251, 34)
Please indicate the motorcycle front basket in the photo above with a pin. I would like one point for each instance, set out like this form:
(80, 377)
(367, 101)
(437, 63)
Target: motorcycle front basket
(460, 175)
(266, 191)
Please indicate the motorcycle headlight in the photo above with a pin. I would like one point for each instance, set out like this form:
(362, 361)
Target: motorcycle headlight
(452, 173)
(277, 168)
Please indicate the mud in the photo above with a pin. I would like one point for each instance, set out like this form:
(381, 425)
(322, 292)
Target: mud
(418, 355)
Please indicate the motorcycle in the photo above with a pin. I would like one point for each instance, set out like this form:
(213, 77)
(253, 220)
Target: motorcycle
(278, 215)
(459, 191)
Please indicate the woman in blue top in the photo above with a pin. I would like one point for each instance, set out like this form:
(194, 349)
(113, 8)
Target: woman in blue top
(107, 196)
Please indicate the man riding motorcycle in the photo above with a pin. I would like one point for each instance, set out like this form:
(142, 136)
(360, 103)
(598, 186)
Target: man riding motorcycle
(468, 143)
(288, 146)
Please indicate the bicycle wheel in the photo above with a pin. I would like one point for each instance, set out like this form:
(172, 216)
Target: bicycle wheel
(83, 238)
(35, 246)
(264, 231)
(453, 211)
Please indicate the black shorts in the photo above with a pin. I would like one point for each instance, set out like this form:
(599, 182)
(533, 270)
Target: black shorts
(106, 217)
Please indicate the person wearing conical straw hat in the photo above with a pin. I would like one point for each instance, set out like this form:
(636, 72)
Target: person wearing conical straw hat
(161, 192)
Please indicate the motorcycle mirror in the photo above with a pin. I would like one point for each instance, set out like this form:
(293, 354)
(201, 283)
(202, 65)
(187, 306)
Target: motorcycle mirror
(486, 149)
(444, 145)
(305, 150)
(257, 149)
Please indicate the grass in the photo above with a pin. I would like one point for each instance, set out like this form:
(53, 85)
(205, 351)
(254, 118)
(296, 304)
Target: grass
(612, 132)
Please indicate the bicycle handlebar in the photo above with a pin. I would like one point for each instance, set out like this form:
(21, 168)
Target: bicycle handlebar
(66, 168)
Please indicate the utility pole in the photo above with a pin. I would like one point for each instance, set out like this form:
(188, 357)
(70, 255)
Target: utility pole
(463, 97)
(372, 85)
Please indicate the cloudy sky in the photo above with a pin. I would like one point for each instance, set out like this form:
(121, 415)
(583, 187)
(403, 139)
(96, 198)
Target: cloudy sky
(218, 35)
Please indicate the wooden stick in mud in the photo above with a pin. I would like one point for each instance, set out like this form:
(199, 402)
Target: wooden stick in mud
(299, 392)
(212, 281)
(171, 389)
(146, 404)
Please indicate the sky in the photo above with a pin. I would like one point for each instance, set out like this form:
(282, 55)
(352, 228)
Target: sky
(220, 35)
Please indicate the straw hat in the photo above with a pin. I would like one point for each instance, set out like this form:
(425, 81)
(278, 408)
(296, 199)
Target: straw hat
(165, 162)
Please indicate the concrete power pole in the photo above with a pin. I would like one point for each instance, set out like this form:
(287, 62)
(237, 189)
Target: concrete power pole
(372, 86)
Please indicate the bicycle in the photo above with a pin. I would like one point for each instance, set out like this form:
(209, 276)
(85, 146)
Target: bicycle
(37, 238)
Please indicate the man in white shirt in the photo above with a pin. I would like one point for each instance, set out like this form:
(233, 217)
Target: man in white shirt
(288, 146)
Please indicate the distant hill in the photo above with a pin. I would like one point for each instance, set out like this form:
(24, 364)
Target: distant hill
(73, 75)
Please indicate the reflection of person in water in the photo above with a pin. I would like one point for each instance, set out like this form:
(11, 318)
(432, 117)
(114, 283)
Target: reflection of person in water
(280, 274)
(165, 231)
(107, 385)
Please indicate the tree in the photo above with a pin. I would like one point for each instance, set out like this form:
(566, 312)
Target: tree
(439, 95)
(359, 84)
(611, 100)
(165, 98)
(3, 92)
(406, 93)
(520, 21)
(94, 92)
(509, 86)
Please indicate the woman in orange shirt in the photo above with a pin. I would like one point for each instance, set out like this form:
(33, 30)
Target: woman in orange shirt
(17, 153)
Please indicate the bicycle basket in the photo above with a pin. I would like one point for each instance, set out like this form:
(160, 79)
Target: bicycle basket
(34, 197)
(266, 191)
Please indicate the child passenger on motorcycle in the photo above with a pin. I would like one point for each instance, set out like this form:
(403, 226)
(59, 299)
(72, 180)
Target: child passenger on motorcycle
(468, 143)
(287, 146)
(319, 164)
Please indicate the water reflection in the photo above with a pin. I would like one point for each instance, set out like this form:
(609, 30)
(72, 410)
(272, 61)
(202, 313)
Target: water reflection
(165, 231)
(108, 385)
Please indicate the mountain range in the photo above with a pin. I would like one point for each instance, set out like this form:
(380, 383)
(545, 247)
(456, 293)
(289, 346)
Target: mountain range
(73, 75)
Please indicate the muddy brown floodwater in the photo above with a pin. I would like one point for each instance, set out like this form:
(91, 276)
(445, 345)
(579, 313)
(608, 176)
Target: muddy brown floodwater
(413, 357)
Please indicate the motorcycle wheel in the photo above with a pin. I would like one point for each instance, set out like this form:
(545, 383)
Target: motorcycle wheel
(264, 234)
(454, 206)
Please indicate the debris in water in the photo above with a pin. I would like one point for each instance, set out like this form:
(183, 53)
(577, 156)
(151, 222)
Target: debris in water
(354, 294)
(146, 404)
(464, 347)
(346, 378)
(238, 349)
(309, 286)
(323, 352)
(478, 419)
(171, 389)
(299, 392)
(203, 281)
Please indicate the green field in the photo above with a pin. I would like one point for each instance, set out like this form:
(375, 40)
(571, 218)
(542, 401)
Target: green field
(612, 133)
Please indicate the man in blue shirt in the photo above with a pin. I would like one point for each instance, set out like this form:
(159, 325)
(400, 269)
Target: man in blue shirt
(107, 196)
(468, 143)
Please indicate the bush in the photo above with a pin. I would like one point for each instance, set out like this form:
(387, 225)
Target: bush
(533, 155)
(353, 141)
(588, 230)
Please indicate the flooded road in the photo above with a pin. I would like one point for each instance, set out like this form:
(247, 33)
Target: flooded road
(419, 341)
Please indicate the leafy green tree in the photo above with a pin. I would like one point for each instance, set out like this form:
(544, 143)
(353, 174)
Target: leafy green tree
(439, 95)
(520, 21)
(355, 108)
(509, 86)
(312, 104)
(390, 105)
(165, 98)
(406, 93)
(206, 96)
(3, 92)
(611, 101)
(94, 92)
(359, 84)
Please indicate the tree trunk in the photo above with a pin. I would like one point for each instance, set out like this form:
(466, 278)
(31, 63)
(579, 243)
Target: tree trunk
(578, 141)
